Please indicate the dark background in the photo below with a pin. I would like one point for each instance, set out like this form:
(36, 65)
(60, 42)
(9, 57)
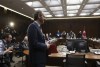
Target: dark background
(92, 25)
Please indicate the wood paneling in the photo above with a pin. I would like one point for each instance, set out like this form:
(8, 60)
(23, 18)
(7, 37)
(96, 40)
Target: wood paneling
(91, 25)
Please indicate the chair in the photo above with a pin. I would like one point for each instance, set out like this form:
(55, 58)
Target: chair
(82, 46)
(19, 53)
(52, 49)
(70, 45)
(98, 63)
(74, 60)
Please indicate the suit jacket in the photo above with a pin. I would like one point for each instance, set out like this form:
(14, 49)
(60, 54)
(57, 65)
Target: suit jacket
(37, 46)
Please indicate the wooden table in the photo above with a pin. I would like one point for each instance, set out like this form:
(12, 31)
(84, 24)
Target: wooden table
(87, 55)
(57, 58)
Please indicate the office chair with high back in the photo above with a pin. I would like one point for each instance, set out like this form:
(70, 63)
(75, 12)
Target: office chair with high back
(82, 46)
(70, 45)
(73, 60)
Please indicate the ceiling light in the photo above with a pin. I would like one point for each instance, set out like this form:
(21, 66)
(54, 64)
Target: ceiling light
(36, 4)
(71, 14)
(11, 24)
(48, 15)
(84, 14)
(98, 11)
(42, 9)
(59, 15)
(96, 14)
(74, 1)
(87, 11)
(29, 3)
(56, 8)
(94, 1)
(58, 12)
(45, 13)
(73, 7)
(53, 2)
(72, 11)
(91, 6)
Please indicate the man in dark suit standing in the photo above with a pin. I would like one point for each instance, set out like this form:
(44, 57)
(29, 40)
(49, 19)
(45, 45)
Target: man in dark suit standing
(37, 45)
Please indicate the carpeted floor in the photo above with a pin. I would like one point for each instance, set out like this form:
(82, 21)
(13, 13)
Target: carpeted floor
(18, 62)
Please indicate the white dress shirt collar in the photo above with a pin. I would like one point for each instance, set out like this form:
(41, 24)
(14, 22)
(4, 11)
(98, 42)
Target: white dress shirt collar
(37, 23)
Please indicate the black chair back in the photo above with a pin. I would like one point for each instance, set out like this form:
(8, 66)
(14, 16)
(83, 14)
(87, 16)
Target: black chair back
(79, 45)
(70, 45)
(82, 46)
(73, 60)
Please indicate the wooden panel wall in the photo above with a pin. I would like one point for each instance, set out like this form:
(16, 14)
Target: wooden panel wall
(92, 26)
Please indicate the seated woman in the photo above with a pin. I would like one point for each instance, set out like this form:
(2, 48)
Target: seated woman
(25, 43)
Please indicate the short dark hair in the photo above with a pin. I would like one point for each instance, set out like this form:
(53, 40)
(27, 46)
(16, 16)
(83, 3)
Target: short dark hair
(6, 35)
(36, 14)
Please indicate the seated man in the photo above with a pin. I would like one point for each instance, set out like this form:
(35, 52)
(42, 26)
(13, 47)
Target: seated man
(5, 49)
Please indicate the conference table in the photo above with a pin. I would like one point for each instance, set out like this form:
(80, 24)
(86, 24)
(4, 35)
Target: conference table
(90, 56)
(57, 59)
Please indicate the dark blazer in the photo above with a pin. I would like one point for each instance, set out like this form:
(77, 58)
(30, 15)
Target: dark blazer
(37, 46)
